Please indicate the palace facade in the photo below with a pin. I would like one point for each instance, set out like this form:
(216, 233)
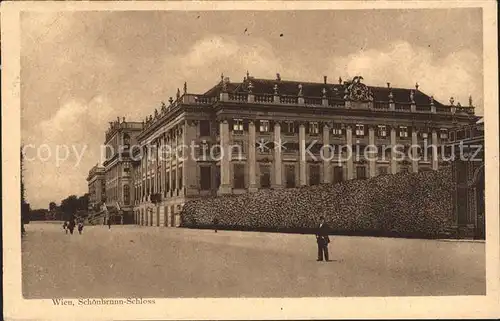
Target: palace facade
(97, 187)
(467, 144)
(118, 168)
(239, 137)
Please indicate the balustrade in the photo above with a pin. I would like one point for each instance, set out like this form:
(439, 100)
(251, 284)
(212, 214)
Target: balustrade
(403, 107)
(238, 97)
(264, 98)
(313, 101)
(379, 105)
(335, 103)
(443, 109)
(424, 108)
(289, 100)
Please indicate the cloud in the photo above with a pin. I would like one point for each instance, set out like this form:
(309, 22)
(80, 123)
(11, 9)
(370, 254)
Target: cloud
(455, 75)
(76, 130)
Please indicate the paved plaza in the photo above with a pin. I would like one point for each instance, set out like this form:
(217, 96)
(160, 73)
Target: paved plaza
(132, 261)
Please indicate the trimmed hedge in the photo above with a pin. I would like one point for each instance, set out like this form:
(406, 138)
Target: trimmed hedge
(405, 204)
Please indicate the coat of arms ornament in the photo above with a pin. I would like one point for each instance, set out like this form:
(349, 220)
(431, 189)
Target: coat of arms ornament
(357, 90)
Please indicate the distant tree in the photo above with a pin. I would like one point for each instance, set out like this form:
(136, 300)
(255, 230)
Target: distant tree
(83, 202)
(52, 206)
(39, 214)
(25, 207)
(69, 206)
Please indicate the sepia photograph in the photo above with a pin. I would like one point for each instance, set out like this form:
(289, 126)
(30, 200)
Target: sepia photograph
(249, 153)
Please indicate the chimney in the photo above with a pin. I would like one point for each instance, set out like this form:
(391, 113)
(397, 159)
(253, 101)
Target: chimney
(325, 78)
(278, 77)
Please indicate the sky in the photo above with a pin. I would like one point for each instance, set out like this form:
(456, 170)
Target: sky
(80, 70)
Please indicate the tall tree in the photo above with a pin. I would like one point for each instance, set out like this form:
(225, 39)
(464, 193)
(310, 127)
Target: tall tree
(52, 206)
(25, 207)
(69, 206)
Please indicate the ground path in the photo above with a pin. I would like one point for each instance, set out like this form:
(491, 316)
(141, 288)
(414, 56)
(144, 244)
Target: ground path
(132, 261)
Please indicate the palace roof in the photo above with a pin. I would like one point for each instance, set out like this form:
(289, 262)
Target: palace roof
(311, 89)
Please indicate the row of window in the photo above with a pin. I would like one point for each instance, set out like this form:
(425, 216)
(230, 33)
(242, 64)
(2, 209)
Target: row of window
(312, 128)
(172, 181)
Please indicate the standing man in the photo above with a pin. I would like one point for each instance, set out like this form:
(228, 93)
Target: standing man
(322, 239)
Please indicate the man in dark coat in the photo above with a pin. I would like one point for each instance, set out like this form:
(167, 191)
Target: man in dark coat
(322, 239)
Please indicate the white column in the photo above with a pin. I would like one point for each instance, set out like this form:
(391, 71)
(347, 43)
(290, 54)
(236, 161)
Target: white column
(277, 156)
(252, 186)
(326, 153)
(350, 160)
(372, 161)
(434, 150)
(394, 163)
(189, 172)
(177, 161)
(414, 142)
(163, 165)
(225, 162)
(302, 155)
(171, 159)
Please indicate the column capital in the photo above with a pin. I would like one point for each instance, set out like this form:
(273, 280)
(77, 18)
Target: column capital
(326, 124)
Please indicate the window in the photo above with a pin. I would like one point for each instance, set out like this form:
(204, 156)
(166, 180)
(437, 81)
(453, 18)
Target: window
(180, 178)
(360, 130)
(264, 126)
(265, 176)
(290, 176)
(314, 176)
(126, 140)
(452, 136)
(337, 130)
(126, 194)
(217, 176)
(382, 170)
(404, 169)
(424, 135)
(204, 128)
(403, 131)
(238, 126)
(239, 176)
(361, 172)
(237, 149)
(173, 180)
(205, 178)
(443, 133)
(381, 131)
(289, 127)
(313, 128)
(167, 182)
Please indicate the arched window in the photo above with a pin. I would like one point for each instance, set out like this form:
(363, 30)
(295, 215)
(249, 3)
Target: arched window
(126, 139)
(126, 194)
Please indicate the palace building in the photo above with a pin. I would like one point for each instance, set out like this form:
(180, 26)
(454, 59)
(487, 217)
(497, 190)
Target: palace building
(118, 168)
(97, 187)
(467, 144)
(239, 137)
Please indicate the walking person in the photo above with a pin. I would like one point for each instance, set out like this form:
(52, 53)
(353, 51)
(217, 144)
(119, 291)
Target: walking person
(65, 227)
(322, 239)
(109, 222)
(71, 225)
(80, 226)
(216, 223)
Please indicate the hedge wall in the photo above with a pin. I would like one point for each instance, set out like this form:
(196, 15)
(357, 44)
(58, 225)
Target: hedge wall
(405, 204)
